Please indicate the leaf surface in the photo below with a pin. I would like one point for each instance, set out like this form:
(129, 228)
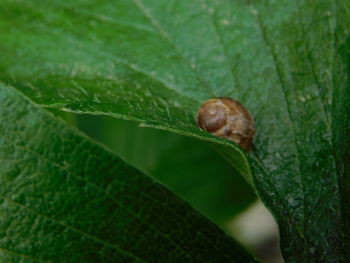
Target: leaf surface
(64, 198)
(108, 58)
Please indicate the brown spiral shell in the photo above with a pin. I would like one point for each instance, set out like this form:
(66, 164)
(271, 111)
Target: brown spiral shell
(227, 118)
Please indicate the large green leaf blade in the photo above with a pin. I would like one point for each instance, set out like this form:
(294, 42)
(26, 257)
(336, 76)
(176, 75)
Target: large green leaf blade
(154, 61)
(65, 199)
(106, 62)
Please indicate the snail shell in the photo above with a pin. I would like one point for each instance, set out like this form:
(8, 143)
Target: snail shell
(227, 118)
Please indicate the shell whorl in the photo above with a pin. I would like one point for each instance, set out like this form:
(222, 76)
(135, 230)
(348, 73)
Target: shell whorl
(227, 118)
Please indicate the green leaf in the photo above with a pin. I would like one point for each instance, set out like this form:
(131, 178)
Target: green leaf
(155, 61)
(184, 164)
(63, 198)
(109, 58)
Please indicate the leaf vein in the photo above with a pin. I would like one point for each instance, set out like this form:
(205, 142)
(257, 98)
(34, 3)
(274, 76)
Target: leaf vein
(167, 37)
(284, 92)
(72, 228)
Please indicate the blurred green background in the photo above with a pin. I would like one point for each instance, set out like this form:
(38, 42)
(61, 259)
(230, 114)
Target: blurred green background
(191, 168)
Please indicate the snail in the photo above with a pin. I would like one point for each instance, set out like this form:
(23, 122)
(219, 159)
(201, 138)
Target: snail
(227, 118)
